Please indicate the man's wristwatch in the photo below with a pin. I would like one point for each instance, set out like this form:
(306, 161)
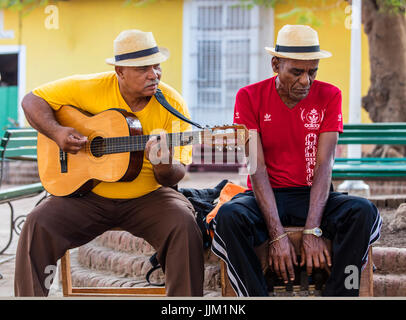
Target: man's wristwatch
(315, 231)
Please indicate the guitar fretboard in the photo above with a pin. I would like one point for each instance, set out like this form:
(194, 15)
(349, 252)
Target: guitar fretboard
(137, 143)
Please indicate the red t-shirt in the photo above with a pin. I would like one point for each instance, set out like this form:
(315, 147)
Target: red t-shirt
(289, 136)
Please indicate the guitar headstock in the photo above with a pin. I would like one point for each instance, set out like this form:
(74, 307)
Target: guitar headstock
(234, 136)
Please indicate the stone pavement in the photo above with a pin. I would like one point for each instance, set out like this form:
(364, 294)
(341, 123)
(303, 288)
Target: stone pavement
(7, 260)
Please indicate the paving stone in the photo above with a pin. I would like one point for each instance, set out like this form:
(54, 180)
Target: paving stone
(389, 285)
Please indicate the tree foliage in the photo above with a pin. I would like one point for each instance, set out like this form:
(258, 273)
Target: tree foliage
(389, 5)
(304, 14)
(25, 6)
(394, 6)
(309, 14)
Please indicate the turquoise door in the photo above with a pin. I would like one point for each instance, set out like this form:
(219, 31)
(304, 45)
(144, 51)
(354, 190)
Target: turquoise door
(8, 107)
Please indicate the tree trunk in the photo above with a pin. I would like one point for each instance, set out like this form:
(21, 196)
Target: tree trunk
(386, 98)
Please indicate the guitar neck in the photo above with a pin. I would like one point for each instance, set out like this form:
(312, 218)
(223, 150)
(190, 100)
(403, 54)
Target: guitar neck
(137, 143)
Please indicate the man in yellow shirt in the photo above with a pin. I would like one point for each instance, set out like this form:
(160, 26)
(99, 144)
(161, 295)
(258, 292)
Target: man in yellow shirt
(147, 206)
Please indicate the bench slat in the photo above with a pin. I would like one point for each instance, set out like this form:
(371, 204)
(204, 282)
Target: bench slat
(377, 125)
(20, 142)
(373, 140)
(372, 168)
(368, 175)
(371, 164)
(373, 133)
(377, 160)
(19, 152)
(20, 191)
(22, 132)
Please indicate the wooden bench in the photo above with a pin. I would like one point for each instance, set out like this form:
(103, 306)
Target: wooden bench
(386, 133)
(17, 144)
(301, 285)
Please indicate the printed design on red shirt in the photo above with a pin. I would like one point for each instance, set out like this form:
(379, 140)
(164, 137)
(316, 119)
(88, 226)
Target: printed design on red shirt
(237, 115)
(267, 117)
(310, 156)
(312, 119)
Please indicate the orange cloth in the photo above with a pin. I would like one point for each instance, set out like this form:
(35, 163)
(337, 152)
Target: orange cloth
(226, 194)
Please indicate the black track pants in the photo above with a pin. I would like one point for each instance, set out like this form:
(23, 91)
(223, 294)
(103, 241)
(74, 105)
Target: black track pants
(351, 223)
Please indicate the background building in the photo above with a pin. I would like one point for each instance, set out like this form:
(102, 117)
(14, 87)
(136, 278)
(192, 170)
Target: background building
(216, 47)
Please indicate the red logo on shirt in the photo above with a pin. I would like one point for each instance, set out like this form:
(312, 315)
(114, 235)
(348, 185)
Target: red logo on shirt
(312, 119)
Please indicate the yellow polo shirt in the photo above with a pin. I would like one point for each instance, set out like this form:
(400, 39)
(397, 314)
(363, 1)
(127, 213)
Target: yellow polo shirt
(95, 93)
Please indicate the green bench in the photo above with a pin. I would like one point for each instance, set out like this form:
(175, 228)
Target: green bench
(386, 133)
(17, 144)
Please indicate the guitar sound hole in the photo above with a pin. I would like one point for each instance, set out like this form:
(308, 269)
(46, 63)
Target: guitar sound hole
(97, 147)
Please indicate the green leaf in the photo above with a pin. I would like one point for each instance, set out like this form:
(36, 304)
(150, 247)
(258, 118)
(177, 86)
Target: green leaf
(4, 3)
(25, 6)
(127, 3)
(303, 19)
(290, 13)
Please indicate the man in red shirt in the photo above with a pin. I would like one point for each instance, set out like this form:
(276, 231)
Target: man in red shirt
(297, 120)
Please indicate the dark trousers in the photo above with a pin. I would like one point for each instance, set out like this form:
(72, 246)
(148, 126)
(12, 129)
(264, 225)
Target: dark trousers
(165, 218)
(351, 223)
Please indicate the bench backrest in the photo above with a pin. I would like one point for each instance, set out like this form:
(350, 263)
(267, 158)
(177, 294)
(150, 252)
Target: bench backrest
(376, 125)
(391, 133)
(19, 144)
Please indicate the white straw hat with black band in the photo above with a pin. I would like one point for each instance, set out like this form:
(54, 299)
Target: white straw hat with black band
(298, 42)
(135, 48)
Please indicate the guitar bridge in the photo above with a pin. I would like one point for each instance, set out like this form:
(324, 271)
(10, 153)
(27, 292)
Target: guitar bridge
(63, 159)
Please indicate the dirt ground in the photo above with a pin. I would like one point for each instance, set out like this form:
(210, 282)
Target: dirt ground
(390, 238)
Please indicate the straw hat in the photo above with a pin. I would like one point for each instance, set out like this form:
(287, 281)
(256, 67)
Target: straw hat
(135, 48)
(298, 42)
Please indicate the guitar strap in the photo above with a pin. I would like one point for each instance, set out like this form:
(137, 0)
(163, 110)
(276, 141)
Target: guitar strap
(162, 100)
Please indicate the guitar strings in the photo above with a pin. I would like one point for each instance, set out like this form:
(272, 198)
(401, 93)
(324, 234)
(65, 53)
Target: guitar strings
(112, 145)
(128, 143)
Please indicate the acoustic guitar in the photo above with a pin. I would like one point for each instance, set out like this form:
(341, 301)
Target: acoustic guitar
(114, 151)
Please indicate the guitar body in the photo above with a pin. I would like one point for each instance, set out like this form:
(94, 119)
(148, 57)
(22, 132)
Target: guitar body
(80, 172)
